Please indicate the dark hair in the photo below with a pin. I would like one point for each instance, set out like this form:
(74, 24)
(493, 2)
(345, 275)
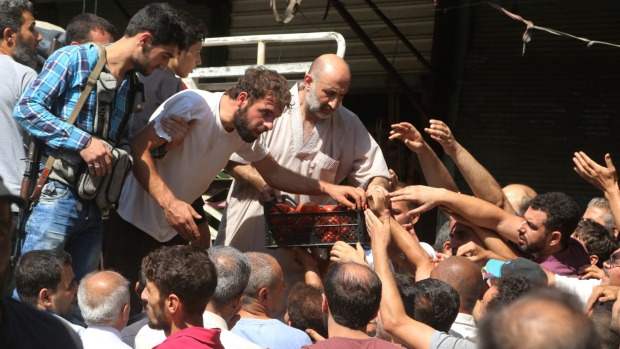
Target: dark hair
(195, 30)
(259, 83)
(543, 318)
(80, 26)
(406, 288)
(562, 213)
(436, 304)
(353, 293)
(233, 273)
(601, 319)
(11, 14)
(185, 271)
(37, 270)
(598, 240)
(509, 289)
(162, 21)
(304, 305)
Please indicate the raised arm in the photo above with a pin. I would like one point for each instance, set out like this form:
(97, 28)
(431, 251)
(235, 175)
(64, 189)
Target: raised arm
(474, 210)
(481, 182)
(604, 178)
(281, 178)
(435, 173)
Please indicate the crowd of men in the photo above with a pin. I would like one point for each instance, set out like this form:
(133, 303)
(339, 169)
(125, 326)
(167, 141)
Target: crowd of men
(509, 268)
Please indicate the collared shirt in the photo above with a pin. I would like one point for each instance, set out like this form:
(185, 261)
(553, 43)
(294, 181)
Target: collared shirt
(465, 326)
(77, 328)
(99, 337)
(47, 103)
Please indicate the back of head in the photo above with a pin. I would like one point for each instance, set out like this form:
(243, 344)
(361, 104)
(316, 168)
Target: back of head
(543, 318)
(303, 306)
(233, 272)
(443, 235)
(408, 292)
(185, 271)
(162, 21)
(11, 14)
(509, 289)
(102, 296)
(39, 269)
(262, 275)
(562, 213)
(262, 83)
(195, 30)
(601, 318)
(436, 304)
(464, 276)
(80, 27)
(519, 196)
(598, 240)
(353, 293)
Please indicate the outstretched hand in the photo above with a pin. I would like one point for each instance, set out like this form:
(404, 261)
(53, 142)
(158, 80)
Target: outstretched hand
(407, 133)
(424, 196)
(604, 178)
(354, 198)
(441, 133)
(378, 229)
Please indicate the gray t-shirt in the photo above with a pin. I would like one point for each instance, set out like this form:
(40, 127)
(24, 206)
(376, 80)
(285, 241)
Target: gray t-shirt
(14, 79)
(442, 340)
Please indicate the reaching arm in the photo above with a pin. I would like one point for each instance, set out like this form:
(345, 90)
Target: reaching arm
(433, 169)
(180, 215)
(604, 178)
(395, 321)
(247, 174)
(474, 210)
(281, 178)
(481, 182)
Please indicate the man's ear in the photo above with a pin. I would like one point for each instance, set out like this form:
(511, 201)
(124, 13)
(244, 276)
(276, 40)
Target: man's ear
(446, 248)
(172, 303)
(593, 259)
(7, 35)
(556, 237)
(144, 39)
(242, 98)
(308, 81)
(324, 306)
(263, 295)
(415, 219)
(44, 298)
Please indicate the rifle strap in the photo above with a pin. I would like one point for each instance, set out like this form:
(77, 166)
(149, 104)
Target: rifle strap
(92, 81)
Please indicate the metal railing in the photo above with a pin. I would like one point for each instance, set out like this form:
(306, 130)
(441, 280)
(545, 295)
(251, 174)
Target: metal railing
(261, 42)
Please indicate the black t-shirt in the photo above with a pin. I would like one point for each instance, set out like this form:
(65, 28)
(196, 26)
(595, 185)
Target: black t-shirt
(21, 326)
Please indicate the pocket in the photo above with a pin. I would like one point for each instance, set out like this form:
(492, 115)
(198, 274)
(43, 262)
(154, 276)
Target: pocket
(53, 191)
(324, 167)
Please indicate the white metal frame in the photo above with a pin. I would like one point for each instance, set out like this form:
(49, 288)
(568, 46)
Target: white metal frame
(261, 42)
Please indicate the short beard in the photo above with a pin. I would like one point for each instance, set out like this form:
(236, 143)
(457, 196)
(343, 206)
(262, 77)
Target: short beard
(240, 122)
(159, 323)
(24, 54)
(314, 106)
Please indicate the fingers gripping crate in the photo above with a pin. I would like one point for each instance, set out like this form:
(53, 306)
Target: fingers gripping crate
(310, 229)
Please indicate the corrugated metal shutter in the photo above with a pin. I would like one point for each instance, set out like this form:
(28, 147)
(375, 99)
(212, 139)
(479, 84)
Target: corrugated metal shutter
(524, 117)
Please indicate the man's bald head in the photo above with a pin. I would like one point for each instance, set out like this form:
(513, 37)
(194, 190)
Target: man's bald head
(464, 276)
(329, 66)
(519, 196)
(103, 296)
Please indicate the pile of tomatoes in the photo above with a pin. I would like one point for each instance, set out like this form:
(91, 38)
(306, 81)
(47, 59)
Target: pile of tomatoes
(286, 220)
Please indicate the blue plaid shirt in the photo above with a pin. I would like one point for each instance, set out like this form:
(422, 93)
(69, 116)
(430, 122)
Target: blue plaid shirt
(47, 103)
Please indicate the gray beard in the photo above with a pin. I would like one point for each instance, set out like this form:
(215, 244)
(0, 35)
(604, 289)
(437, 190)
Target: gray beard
(24, 54)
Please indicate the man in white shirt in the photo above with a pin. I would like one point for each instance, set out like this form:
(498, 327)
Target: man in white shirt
(104, 300)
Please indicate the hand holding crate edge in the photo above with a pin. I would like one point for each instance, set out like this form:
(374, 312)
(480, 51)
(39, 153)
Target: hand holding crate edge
(288, 224)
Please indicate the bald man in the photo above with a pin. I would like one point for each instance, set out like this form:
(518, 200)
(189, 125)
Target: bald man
(519, 196)
(104, 301)
(465, 277)
(318, 138)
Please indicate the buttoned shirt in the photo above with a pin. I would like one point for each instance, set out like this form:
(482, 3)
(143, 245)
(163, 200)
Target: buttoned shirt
(99, 337)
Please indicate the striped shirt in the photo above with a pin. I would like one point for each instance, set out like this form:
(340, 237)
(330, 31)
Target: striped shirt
(46, 105)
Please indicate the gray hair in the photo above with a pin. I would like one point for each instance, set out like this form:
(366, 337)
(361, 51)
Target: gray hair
(263, 274)
(233, 273)
(11, 13)
(443, 235)
(101, 304)
(608, 218)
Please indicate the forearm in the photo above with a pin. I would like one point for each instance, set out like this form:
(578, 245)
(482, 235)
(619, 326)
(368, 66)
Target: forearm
(283, 179)
(495, 244)
(613, 197)
(246, 174)
(380, 181)
(416, 256)
(434, 171)
(481, 213)
(144, 168)
(481, 182)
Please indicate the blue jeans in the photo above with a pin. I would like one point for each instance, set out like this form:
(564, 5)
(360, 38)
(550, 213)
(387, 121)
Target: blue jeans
(59, 220)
